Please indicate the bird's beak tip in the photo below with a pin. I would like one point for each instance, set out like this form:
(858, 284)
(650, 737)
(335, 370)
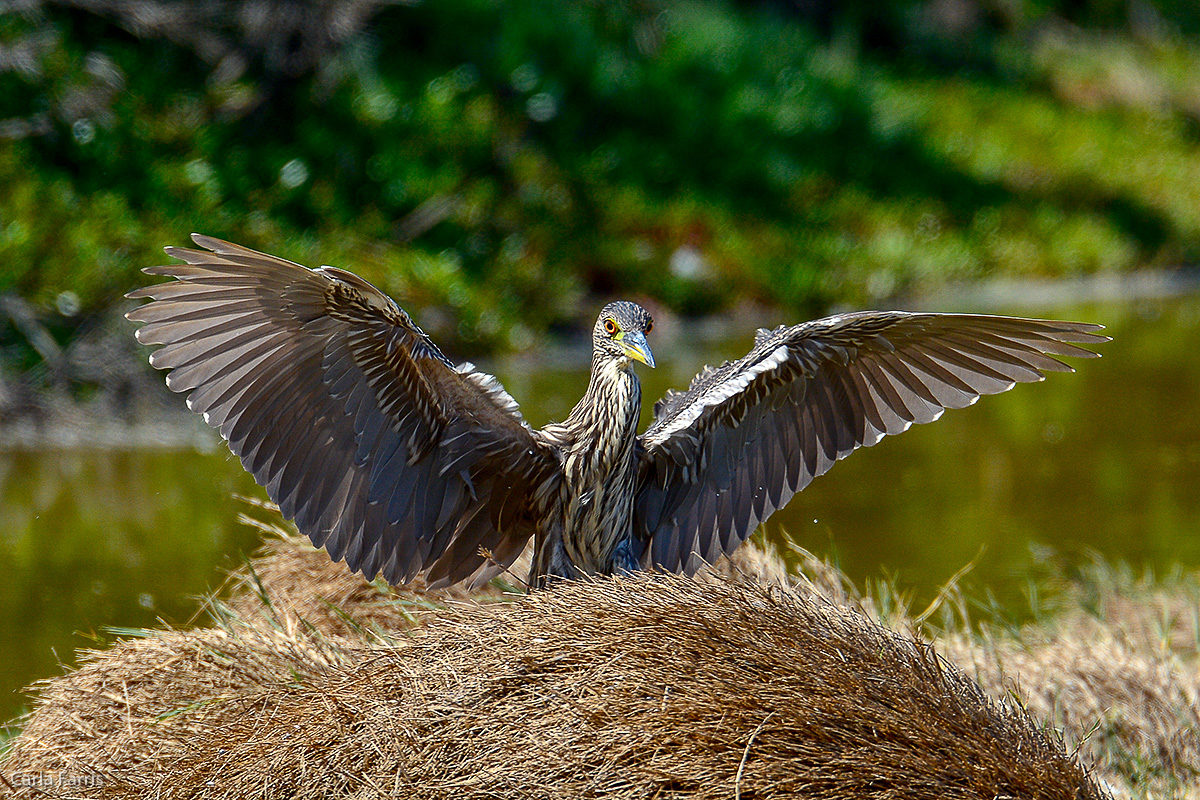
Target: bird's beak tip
(638, 350)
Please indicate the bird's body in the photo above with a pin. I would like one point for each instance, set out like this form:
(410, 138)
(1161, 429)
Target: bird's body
(393, 458)
(592, 507)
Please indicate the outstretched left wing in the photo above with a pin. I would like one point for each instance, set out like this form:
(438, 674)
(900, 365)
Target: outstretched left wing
(746, 436)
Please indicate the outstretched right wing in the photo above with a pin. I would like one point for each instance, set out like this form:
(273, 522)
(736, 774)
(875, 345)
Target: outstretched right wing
(746, 436)
(358, 427)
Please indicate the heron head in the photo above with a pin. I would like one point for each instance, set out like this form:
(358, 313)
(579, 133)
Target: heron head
(621, 332)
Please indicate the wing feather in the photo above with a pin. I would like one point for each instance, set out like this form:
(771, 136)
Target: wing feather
(746, 436)
(916, 397)
(358, 427)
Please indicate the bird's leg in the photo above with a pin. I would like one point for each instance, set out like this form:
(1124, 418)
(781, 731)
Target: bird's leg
(624, 559)
(550, 561)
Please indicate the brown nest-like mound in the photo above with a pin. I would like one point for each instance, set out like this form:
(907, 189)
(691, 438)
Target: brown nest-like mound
(649, 686)
(292, 584)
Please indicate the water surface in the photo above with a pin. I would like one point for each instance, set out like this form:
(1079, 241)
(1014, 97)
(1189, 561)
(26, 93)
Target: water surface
(1104, 461)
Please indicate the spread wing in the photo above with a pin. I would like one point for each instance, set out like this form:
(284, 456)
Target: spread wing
(724, 455)
(378, 447)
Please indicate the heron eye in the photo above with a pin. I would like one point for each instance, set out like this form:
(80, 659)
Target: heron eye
(610, 326)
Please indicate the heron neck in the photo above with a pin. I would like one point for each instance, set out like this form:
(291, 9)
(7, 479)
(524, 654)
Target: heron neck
(611, 406)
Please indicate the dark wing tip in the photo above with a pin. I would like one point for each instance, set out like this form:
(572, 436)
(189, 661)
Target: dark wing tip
(1080, 333)
(1081, 326)
(214, 244)
(168, 270)
(207, 242)
(224, 248)
(219, 246)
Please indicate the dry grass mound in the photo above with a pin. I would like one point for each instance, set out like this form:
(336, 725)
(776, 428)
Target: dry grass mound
(650, 686)
(290, 585)
(122, 706)
(1116, 668)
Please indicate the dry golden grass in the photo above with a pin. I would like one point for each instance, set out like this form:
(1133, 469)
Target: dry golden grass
(1117, 668)
(317, 684)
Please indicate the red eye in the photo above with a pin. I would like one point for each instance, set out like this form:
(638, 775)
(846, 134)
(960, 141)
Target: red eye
(610, 326)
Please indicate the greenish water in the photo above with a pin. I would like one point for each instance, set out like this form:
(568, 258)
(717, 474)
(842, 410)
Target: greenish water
(1105, 461)
(91, 539)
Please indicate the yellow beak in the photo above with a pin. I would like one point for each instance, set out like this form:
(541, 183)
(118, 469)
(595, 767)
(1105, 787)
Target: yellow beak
(636, 347)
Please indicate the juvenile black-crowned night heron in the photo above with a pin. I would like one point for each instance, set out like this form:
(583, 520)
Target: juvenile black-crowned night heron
(393, 458)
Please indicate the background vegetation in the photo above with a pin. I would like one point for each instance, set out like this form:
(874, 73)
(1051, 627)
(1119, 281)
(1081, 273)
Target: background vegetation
(500, 166)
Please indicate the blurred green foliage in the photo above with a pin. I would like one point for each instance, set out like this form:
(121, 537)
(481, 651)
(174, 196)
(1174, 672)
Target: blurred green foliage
(499, 166)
